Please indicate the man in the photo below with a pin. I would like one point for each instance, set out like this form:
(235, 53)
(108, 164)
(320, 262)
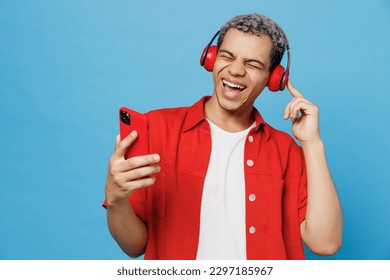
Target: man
(220, 183)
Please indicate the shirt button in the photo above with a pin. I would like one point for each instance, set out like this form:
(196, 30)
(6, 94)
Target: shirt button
(250, 138)
(252, 230)
(252, 197)
(250, 162)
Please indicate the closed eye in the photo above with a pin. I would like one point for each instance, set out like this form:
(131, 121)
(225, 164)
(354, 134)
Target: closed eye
(256, 65)
(226, 55)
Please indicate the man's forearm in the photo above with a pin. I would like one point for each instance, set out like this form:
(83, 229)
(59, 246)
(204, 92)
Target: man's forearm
(322, 228)
(127, 228)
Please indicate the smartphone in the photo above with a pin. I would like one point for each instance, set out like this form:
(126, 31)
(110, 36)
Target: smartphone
(130, 120)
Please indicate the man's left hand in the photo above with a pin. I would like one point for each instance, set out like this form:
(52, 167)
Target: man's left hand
(304, 117)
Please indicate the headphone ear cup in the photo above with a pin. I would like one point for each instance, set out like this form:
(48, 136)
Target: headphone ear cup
(275, 79)
(210, 58)
(284, 81)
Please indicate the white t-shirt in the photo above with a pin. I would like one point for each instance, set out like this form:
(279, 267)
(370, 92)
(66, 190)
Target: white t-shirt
(222, 232)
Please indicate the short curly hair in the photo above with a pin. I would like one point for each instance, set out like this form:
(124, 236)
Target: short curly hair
(258, 24)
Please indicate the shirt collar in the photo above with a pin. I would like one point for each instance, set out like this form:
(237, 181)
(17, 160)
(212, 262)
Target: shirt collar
(196, 115)
(261, 124)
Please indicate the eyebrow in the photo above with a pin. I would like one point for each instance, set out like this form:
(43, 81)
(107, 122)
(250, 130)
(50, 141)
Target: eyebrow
(246, 60)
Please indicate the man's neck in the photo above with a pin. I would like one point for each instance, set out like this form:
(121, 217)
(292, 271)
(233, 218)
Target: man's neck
(228, 120)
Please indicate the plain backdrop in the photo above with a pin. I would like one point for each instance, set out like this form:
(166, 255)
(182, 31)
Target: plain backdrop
(67, 66)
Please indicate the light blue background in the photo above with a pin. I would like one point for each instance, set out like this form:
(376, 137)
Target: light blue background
(67, 66)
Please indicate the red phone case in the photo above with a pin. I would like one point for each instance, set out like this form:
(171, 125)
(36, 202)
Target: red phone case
(131, 120)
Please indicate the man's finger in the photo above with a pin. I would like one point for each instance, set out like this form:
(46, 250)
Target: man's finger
(139, 161)
(287, 110)
(141, 172)
(296, 104)
(125, 144)
(117, 141)
(141, 183)
(294, 92)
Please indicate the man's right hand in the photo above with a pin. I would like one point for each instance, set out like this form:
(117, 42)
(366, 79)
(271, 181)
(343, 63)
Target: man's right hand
(126, 175)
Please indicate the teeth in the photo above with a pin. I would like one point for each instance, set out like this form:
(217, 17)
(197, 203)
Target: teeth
(230, 84)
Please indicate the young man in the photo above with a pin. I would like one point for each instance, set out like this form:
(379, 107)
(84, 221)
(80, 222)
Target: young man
(220, 183)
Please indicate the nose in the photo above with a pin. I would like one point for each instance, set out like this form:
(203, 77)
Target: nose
(237, 68)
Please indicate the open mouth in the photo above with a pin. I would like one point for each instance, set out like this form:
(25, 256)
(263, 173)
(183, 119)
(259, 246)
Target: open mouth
(233, 85)
(232, 90)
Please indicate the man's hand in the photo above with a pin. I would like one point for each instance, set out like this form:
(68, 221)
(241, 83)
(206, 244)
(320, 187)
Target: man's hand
(304, 117)
(126, 175)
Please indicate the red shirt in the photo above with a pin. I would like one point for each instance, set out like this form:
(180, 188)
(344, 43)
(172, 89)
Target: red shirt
(275, 180)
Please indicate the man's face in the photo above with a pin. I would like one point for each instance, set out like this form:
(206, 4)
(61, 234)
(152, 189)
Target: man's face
(241, 70)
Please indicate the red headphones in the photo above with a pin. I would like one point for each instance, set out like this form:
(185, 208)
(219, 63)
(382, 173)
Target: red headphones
(278, 78)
